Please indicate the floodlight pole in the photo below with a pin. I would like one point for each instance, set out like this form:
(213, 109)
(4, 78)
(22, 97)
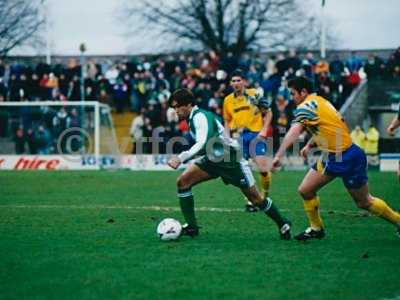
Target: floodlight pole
(323, 31)
(45, 12)
(82, 49)
(97, 134)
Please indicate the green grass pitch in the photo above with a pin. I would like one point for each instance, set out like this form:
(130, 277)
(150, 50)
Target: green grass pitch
(91, 235)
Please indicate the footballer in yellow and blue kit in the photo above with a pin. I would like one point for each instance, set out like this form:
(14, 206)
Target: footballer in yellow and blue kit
(331, 134)
(243, 116)
(341, 158)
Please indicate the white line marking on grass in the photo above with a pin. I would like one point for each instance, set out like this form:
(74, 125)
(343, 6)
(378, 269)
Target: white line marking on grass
(95, 206)
(163, 208)
(153, 207)
(395, 298)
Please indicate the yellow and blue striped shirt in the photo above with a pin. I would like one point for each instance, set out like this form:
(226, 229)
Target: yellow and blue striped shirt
(324, 123)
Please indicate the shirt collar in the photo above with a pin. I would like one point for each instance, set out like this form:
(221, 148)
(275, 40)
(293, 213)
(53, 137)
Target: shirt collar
(236, 95)
(309, 97)
(193, 110)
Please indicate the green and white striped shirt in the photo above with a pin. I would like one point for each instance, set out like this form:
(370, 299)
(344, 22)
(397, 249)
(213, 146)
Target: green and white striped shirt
(208, 133)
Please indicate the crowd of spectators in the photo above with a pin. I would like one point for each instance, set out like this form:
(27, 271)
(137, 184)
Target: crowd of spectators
(35, 130)
(144, 84)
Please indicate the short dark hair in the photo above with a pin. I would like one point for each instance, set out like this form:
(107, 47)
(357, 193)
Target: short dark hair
(182, 97)
(300, 83)
(238, 73)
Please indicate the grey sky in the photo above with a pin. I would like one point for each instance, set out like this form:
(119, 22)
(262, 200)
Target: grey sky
(360, 24)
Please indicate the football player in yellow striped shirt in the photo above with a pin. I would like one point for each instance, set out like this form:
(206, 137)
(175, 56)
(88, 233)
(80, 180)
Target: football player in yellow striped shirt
(341, 158)
(245, 120)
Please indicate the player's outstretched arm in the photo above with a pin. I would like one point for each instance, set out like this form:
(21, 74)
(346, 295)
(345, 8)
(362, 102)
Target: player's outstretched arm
(293, 134)
(266, 123)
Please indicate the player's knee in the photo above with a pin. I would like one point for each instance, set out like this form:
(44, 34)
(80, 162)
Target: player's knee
(263, 168)
(182, 182)
(305, 193)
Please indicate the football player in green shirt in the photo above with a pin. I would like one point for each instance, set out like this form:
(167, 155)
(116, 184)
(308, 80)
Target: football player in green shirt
(218, 156)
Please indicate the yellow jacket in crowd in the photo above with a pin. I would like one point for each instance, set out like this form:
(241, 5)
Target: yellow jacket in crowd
(358, 137)
(371, 144)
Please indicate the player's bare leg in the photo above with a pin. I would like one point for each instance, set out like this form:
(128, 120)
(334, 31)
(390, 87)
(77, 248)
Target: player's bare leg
(379, 207)
(190, 177)
(253, 195)
(311, 184)
(266, 205)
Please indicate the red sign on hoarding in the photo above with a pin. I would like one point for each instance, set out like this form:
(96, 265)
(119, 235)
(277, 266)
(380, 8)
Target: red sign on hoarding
(36, 164)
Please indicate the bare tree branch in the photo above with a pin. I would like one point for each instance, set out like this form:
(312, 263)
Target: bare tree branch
(228, 25)
(20, 23)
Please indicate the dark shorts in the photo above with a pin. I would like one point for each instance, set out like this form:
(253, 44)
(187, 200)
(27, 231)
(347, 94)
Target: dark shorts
(251, 146)
(351, 166)
(237, 173)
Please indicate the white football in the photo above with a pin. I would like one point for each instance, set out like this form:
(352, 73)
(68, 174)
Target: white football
(169, 229)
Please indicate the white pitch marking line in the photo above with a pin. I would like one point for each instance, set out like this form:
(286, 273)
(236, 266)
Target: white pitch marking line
(395, 298)
(155, 208)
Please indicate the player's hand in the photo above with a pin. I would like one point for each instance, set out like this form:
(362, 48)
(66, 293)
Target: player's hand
(174, 162)
(275, 164)
(390, 130)
(304, 152)
(261, 136)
